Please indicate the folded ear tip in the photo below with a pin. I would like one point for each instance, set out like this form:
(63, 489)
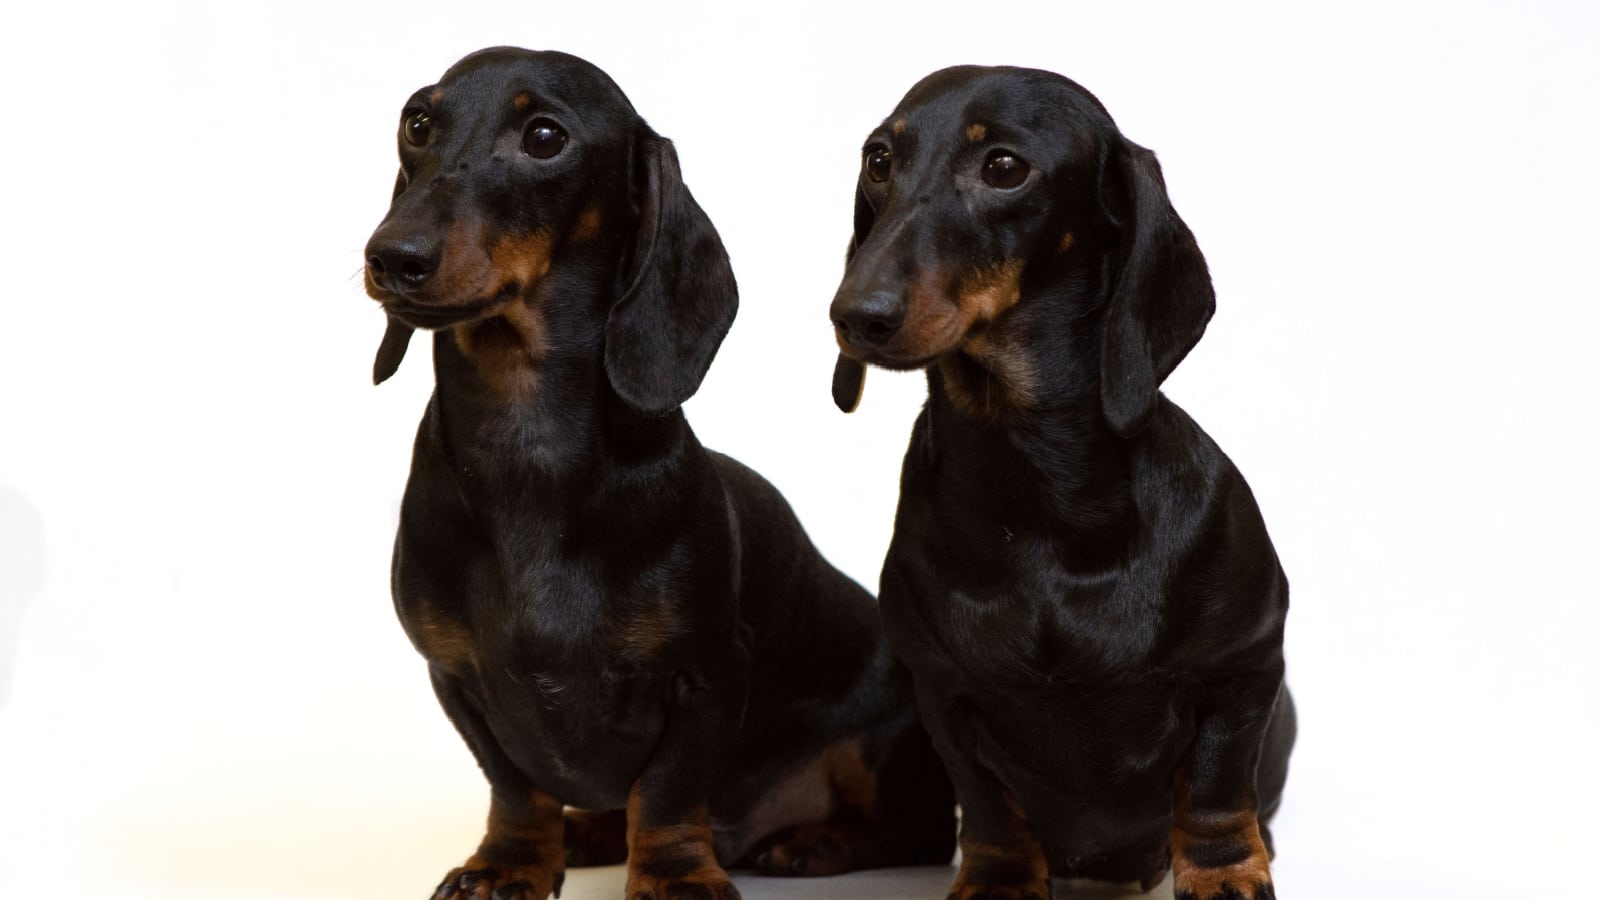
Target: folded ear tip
(849, 382)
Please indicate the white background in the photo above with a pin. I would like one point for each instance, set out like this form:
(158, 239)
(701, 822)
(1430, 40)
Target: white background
(203, 690)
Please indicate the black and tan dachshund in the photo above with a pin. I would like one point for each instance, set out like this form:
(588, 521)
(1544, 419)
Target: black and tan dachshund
(1079, 579)
(615, 618)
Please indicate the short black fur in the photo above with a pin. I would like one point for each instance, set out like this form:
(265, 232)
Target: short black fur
(614, 616)
(1079, 579)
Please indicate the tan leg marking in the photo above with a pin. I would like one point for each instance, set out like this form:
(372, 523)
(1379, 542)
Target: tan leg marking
(1013, 870)
(1212, 854)
(520, 857)
(664, 861)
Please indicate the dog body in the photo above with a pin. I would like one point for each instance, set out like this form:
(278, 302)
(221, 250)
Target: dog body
(1079, 578)
(615, 618)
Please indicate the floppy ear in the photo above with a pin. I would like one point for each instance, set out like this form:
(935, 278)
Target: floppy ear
(1162, 299)
(850, 376)
(681, 297)
(396, 338)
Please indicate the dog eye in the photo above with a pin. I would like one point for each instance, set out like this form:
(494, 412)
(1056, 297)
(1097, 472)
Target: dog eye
(1004, 171)
(543, 139)
(877, 163)
(416, 127)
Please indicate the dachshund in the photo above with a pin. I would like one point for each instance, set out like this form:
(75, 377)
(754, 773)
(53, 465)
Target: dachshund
(1079, 580)
(615, 618)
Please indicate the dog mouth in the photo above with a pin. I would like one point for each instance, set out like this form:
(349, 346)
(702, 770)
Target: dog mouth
(426, 313)
(910, 359)
(895, 363)
(435, 317)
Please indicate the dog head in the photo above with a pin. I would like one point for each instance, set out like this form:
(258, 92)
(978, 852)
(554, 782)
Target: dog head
(995, 205)
(526, 178)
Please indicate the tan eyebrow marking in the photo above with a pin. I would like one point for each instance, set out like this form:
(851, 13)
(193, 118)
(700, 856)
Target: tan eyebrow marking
(588, 225)
(976, 132)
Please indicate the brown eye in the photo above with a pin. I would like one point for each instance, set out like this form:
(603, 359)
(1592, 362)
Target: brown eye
(878, 163)
(1004, 171)
(543, 139)
(416, 127)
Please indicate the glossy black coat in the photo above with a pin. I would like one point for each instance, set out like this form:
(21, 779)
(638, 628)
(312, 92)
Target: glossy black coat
(606, 606)
(1079, 579)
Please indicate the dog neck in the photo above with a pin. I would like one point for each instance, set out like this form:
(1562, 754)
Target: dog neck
(523, 396)
(1023, 408)
(1065, 452)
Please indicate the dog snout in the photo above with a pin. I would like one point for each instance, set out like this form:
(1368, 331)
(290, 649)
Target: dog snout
(402, 260)
(869, 320)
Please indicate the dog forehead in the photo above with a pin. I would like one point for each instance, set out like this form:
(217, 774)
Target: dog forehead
(1008, 102)
(514, 77)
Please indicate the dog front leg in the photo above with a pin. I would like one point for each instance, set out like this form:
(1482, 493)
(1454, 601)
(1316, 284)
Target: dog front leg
(1001, 859)
(1217, 848)
(670, 846)
(520, 857)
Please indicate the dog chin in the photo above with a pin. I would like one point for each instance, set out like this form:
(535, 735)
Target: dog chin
(900, 362)
(433, 317)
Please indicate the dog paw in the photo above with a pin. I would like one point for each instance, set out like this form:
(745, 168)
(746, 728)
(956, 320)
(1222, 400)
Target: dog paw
(471, 882)
(809, 850)
(1229, 867)
(1210, 886)
(705, 884)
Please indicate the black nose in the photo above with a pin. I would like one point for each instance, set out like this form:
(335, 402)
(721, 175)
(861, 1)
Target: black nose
(869, 321)
(402, 261)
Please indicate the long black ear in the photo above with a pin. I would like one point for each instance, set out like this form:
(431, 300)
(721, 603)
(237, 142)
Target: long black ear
(1162, 300)
(681, 297)
(850, 376)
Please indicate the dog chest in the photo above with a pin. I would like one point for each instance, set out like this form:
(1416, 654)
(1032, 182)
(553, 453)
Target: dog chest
(1025, 620)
